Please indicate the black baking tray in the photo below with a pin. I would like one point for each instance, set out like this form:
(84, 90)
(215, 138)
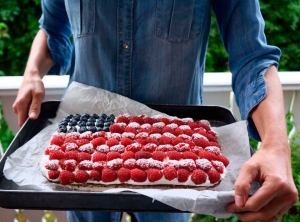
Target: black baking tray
(16, 197)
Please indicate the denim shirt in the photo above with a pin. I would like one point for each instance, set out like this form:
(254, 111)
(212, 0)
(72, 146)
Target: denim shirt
(154, 51)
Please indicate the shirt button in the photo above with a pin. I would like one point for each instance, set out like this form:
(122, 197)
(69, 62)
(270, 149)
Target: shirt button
(125, 45)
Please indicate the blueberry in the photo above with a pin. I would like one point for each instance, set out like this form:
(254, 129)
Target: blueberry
(107, 124)
(86, 115)
(82, 129)
(108, 119)
(103, 116)
(95, 116)
(73, 122)
(72, 129)
(90, 123)
(82, 123)
(66, 119)
(69, 116)
(112, 116)
(62, 129)
(64, 123)
(77, 117)
(106, 129)
(84, 118)
(92, 128)
(92, 119)
(99, 129)
(99, 124)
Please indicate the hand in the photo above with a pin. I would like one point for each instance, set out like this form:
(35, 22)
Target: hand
(278, 192)
(29, 99)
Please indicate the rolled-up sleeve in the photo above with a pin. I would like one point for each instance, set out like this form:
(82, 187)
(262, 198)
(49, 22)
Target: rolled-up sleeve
(54, 21)
(241, 26)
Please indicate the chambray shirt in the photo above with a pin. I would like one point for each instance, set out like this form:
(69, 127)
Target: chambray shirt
(153, 51)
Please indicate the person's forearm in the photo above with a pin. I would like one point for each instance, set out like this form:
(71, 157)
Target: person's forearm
(269, 115)
(40, 59)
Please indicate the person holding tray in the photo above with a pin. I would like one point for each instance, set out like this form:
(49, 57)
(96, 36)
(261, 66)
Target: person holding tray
(154, 52)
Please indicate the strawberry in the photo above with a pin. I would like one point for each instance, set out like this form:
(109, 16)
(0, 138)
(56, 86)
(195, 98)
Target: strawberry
(218, 165)
(178, 132)
(70, 165)
(158, 155)
(98, 141)
(215, 144)
(135, 147)
(83, 156)
(115, 164)
(188, 132)
(183, 175)
(81, 176)
(69, 147)
(142, 164)
(149, 120)
(127, 155)
(99, 157)
(112, 142)
(223, 159)
(82, 142)
(150, 147)
(201, 142)
(56, 140)
(85, 165)
(141, 141)
(207, 155)
(203, 164)
(95, 175)
(130, 163)
(129, 129)
(136, 119)
(189, 155)
(165, 120)
(170, 173)
(154, 175)
(122, 119)
(177, 140)
(213, 149)
(123, 175)
(109, 175)
(138, 175)
(213, 176)
(174, 155)
(154, 130)
(99, 166)
(66, 177)
(72, 155)
(126, 141)
(164, 140)
(56, 155)
(115, 128)
(53, 174)
(52, 165)
(142, 155)
(152, 140)
(113, 155)
(198, 177)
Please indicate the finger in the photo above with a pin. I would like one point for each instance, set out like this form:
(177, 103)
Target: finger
(35, 107)
(21, 107)
(242, 185)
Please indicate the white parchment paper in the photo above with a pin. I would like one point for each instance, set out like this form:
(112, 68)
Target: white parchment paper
(22, 166)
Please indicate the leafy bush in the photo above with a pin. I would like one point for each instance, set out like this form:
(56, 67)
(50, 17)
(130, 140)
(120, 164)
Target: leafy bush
(6, 135)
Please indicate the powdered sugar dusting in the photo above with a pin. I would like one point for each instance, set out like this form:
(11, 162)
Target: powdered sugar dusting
(213, 149)
(149, 147)
(115, 163)
(52, 164)
(128, 135)
(142, 135)
(187, 163)
(156, 164)
(87, 148)
(159, 125)
(117, 136)
(86, 135)
(172, 163)
(118, 148)
(169, 135)
(198, 136)
(180, 147)
(71, 146)
(143, 163)
(172, 125)
(203, 164)
(134, 125)
(146, 126)
(103, 148)
(185, 137)
(155, 135)
(184, 127)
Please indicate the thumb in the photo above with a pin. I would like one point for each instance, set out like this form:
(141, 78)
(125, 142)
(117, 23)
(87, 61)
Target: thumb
(35, 107)
(243, 183)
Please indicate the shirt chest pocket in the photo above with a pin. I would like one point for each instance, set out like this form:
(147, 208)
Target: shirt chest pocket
(82, 16)
(181, 20)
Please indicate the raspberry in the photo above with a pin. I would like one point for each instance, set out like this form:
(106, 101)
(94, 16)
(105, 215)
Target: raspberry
(98, 134)
(164, 140)
(158, 155)
(53, 174)
(189, 155)
(154, 175)
(174, 155)
(87, 148)
(150, 147)
(85, 165)
(99, 157)
(126, 141)
(57, 140)
(172, 163)
(180, 147)
(138, 175)
(203, 124)
(192, 125)
(129, 129)
(56, 155)
(154, 130)
(185, 137)
(69, 147)
(211, 137)
(86, 135)
(196, 149)
(99, 166)
(142, 155)
(95, 175)
(51, 147)
(74, 135)
(143, 130)
(136, 119)
(167, 129)
(83, 156)
(109, 175)
(149, 120)
(122, 119)
(52, 165)
(213, 149)
(203, 164)
(62, 163)
(223, 159)
(115, 164)
(70, 165)
(103, 148)
(198, 177)
(66, 177)
(165, 120)
(152, 140)
(112, 142)
(165, 148)
(177, 140)
(213, 176)
(218, 165)
(130, 163)
(190, 143)
(113, 155)
(82, 142)
(187, 164)
(115, 128)
(202, 132)
(142, 164)
(98, 141)
(141, 141)
(124, 175)
(179, 122)
(215, 144)
(81, 176)
(207, 155)
(159, 125)
(156, 164)
(72, 155)
(178, 132)
(135, 147)
(188, 132)
(201, 142)
(183, 175)
(170, 173)
(141, 135)
(127, 155)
